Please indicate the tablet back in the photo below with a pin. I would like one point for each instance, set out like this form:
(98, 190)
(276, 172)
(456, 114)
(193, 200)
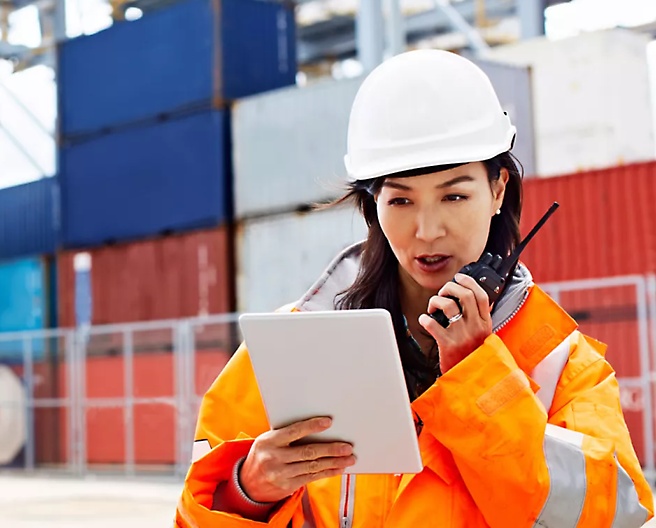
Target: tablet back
(342, 364)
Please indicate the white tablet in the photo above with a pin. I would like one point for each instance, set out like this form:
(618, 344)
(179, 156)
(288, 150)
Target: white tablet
(343, 364)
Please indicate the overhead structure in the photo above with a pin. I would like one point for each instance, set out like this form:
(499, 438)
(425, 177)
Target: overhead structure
(368, 30)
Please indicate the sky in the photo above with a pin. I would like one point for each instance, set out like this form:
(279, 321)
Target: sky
(35, 88)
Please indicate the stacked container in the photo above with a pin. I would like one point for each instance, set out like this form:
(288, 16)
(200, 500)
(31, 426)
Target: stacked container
(591, 97)
(146, 181)
(604, 229)
(29, 232)
(29, 235)
(145, 149)
(288, 150)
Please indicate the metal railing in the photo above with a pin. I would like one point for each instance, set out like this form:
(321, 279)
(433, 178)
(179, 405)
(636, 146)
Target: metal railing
(125, 398)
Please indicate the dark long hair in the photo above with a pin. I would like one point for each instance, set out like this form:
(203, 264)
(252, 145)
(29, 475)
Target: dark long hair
(377, 283)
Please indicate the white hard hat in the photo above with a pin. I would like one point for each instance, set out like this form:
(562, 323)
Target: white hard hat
(421, 109)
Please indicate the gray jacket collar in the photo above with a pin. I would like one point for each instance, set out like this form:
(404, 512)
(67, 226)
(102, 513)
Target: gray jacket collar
(343, 270)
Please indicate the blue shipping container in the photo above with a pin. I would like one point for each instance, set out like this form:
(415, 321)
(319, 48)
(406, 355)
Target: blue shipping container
(192, 55)
(27, 297)
(29, 219)
(172, 176)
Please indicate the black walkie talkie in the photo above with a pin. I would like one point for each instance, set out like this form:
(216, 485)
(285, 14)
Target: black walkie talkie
(491, 271)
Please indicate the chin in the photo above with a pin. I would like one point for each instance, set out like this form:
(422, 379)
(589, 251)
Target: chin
(431, 284)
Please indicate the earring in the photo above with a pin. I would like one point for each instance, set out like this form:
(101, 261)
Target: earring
(498, 211)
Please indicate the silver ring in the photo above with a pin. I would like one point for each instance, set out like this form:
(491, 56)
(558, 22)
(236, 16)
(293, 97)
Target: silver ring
(454, 319)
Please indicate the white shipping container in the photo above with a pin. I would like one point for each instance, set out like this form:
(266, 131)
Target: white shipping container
(591, 99)
(280, 257)
(289, 145)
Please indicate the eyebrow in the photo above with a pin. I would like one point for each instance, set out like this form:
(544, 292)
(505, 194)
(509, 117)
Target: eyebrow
(449, 183)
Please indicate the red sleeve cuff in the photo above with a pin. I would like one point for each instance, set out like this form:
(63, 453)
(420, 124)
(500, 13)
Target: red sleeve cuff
(231, 498)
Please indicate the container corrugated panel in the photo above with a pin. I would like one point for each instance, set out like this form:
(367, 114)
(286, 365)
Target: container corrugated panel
(591, 96)
(604, 226)
(280, 257)
(24, 304)
(142, 182)
(153, 377)
(29, 219)
(174, 59)
(513, 85)
(166, 278)
(289, 146)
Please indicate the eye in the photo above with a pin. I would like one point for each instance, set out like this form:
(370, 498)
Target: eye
(398, 201)
(455, 197)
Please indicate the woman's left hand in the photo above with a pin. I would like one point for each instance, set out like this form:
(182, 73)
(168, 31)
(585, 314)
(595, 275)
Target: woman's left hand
(465, 335)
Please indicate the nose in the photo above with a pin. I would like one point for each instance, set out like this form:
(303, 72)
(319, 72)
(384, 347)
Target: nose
(430, 225)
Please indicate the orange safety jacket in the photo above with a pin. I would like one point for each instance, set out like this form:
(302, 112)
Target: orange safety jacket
(527, 431)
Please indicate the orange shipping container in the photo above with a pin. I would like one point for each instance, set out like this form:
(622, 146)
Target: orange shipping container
(605, 225)
(166, 278)
(604, 228)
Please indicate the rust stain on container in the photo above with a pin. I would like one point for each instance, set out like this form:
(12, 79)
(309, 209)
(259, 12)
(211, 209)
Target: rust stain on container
(171, 277)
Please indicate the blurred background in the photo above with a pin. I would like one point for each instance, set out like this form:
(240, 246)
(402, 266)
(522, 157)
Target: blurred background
(158, 164)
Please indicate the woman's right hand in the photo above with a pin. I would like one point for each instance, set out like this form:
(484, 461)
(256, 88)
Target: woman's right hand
(274, 470)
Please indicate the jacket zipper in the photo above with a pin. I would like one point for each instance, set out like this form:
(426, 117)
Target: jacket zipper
(513, 314)
(347, 509)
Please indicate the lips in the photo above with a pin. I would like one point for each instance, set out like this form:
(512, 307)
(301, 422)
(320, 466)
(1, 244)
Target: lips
(432, 263)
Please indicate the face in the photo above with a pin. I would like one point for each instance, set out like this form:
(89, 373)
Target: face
(437, 223)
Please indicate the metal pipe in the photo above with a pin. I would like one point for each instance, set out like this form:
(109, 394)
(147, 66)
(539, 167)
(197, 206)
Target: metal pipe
(395, 28)
(128, 416)
(531, 18)
(14, 98)
(23, 151)
(647, 417)
(28, 362)
(458, 21)
(369, 34)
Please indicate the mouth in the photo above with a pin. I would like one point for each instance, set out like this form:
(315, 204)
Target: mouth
(432, 263)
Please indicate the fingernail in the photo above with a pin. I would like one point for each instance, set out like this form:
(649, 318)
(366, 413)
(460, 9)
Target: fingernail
(346, 450)
(459, 276)
(325, 422)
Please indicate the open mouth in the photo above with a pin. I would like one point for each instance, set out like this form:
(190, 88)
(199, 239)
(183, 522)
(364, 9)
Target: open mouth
(433, 263)
(432, 260)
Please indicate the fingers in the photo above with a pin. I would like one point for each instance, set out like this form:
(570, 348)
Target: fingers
(313, 467)
(472, 297)
(287, 435)
(304, 480)
(315, 451)
(448, 306)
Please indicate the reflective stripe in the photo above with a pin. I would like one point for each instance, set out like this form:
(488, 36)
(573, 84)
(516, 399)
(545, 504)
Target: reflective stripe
(308, 516)
(346, 501)
(629, 513)
(567, 479)
(200, 449)
(548, 371)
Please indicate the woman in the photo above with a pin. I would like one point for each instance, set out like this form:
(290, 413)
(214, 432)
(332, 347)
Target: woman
(518, 413)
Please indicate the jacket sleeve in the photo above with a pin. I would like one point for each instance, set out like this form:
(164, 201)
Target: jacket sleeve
(231, 416)
(575, 468)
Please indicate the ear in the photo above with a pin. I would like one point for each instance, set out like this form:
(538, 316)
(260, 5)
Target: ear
(499, 189)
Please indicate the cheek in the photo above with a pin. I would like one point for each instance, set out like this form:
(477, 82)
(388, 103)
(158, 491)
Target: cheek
(395, 228)
(473, 233)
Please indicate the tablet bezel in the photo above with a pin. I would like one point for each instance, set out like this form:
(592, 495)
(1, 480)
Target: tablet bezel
(347, 365)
